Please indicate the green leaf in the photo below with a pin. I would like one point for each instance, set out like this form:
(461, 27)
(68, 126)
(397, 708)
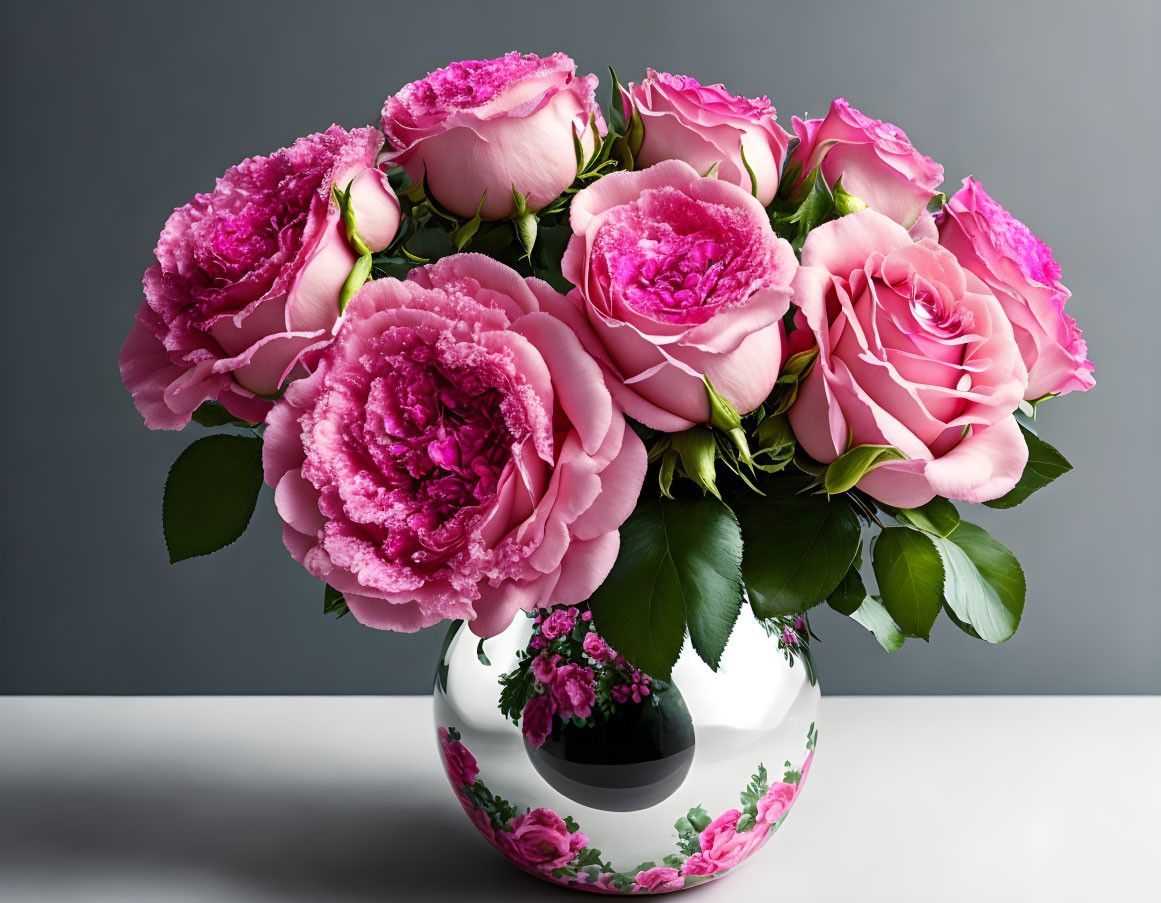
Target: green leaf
(214, 413)
(1044, 465)
(430, 244)
(333, 602)
(849, 594)
(848, 468)
(796, 550)
(983, 583)
(937, 517)
(749, 172)
(910, 577)
(465, 231)
(872, 615)
(210, 494)
(678, 564)
(816, 208)
(845, 203)
(699, 819)
(616, 105)
(936, 203)
(355, 280)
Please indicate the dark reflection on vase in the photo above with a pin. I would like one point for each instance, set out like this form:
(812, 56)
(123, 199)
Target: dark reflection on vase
(633, 759)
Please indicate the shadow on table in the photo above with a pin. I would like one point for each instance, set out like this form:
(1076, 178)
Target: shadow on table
(276, 843)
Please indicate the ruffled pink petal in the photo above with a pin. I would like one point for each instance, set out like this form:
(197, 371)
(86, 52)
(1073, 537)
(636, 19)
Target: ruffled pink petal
(984, 466)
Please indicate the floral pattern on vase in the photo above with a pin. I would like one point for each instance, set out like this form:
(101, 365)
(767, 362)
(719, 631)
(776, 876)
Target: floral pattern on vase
(551, 846)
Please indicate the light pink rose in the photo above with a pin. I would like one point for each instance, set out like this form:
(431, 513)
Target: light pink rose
(1019, 269)
(596, 648)
(540, 840)
(914, 352)
(775, 803)
(573, 691)
(659, 878)
(247, 277)
(875, 159)
(493, 125)
(460, 764)
(722, 846)
(678, 277)
(420, 468)
(536, 719)
(704, 125)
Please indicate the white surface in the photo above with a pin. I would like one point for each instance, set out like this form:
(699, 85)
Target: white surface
(342, 799)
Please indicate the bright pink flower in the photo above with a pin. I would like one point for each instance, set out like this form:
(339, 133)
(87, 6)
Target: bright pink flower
(544, 667)
(678, 277)
(494, 126)
(482, 822)
(541, 840)
(461, 765)
(573, 691)
(247, 277)
(420, 468)
(536, 719)
(559, 623)
(875, 160)
(722, 846)
(596, 648)
(915, 353)
(659, 878)
(1019, 269)
(775, 803)
(706, 124)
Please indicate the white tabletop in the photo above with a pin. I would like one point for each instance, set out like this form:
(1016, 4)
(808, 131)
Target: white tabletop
(342, 799)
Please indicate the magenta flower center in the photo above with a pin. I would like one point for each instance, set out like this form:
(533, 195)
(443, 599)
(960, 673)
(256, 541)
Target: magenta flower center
(678, 260)
(424, 460)
(472, 83)
(1015, 241)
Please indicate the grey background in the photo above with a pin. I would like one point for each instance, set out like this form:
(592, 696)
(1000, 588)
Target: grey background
(116, 113)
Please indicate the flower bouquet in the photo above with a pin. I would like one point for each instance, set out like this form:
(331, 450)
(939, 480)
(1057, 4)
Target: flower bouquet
(630, 391)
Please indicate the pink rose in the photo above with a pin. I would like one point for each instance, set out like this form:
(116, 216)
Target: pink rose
(704, 125)
(558, 623)
(805, 768)
(573, 691)
(678, 277)
(536, 720)
(877, 163)
(541, 840)
(460, 764)
(482, 822)
(544, 667)
(493, 125)
(722, 846)
(419, 468)
(596, 648)
(659, 878)
(914, 353)
(247, 277)
(1019, 269)
(775, 803)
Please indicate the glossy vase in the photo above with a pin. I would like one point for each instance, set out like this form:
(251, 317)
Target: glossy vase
(587, 773)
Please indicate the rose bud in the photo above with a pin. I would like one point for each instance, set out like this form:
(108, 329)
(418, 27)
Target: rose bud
(496, 126)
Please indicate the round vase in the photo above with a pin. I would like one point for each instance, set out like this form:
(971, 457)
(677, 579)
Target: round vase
(620, 783)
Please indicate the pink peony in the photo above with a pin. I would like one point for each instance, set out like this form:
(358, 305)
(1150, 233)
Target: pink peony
(536, 719)
(494, 126)
(722, 846)
(540, 840)
(596, 648)
(247, 277)
(559, 623)
(573, 691)
(544, 667)
(678, 277)
(775, 803)
(659, 878)
(454, 455)
(913, 353)
(461, 765)
(1019, 269)
(704, 125)
(877, 163)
